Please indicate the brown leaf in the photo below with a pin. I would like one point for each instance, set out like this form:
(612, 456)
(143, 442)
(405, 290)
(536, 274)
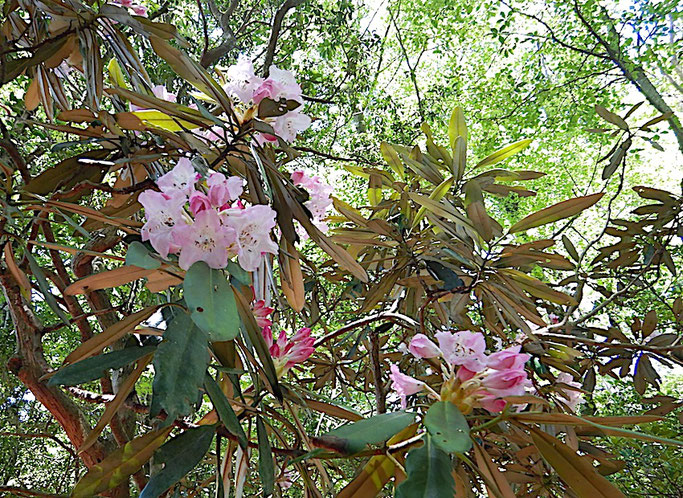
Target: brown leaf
(561, 210)
(107, 279)
(575, 471)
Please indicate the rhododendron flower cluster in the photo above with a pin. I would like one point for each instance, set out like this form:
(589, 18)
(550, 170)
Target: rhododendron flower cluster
(208, 224)
(288, 352)
(249, 90)
(471, 377)
(319, 196)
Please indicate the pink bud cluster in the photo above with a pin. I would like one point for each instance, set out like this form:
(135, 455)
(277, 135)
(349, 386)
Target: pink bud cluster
(209, 224)
(472, 378)
(319, 196)
(249, 90)
(288, 352)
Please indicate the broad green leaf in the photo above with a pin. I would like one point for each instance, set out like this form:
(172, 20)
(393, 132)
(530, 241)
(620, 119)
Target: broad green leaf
(448, 427)
(352, 438)
(457, 127)
(559, 211)
(94, 367)
(378, 471)
(265, 458)
(504, 153)
(225, 412)
(119, 465)
(179, 366)
(138, 255)
(578, 473)
(392, 159)
(179, 456)
(212, 302)
(429, 472)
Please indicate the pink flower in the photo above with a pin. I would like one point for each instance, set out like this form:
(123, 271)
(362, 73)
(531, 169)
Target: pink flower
(572, 398)
(421, 347)
(252, 226)
(404, 385)
(205, 240)
(140, 10)
(319, 196)
(199, 202)
(463, 348)
(554, 318)
(180, 179)
(465, 374)
(287, 353)
(261, 313)
(126, 3)
(281, 84)
(242, 81)
(505, 383)
(287, 127)
(508, 359)
(491, 403)
(222, 190)
(163, 212)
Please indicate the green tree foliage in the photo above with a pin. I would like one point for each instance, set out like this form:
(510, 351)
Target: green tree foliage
(502, 167)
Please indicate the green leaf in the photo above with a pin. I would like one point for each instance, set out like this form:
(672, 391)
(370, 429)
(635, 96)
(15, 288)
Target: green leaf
(265, 458)
(569, 247)
(457, 127)
(391, 157)
(429, 473)
(448, 427)
(224, 410)
(180, 366)
(559, 211)
(504, 153)
(179, 456)
(352, 438)
(94, 367)
(116, 74)
(139, 255)
(45, 287)
(212, 302)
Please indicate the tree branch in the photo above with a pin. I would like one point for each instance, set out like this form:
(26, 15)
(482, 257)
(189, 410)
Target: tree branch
(275, 33)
